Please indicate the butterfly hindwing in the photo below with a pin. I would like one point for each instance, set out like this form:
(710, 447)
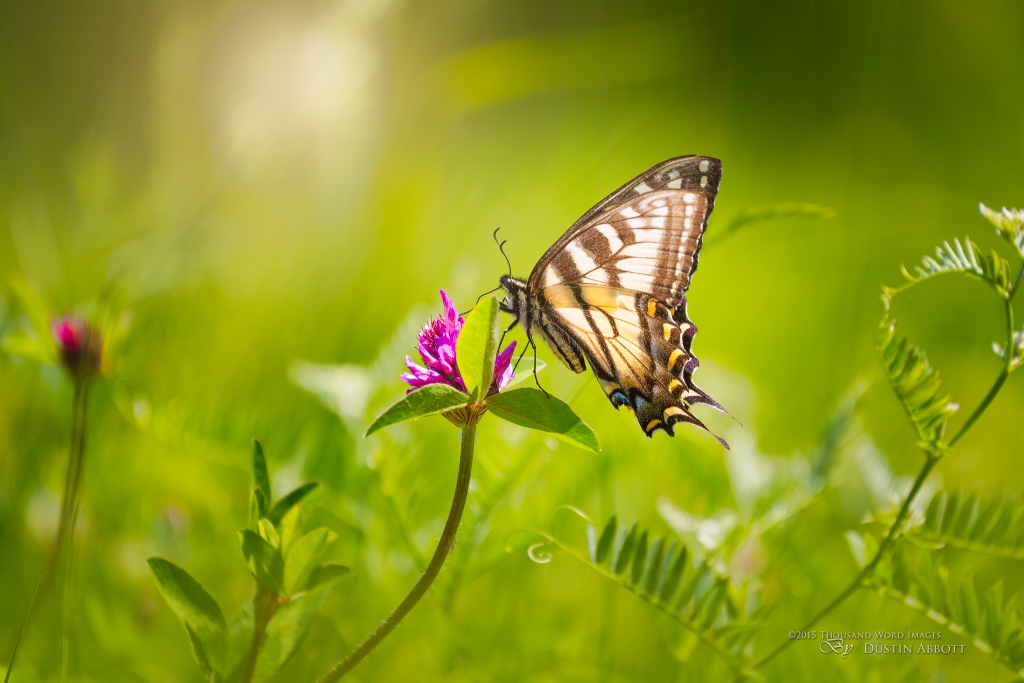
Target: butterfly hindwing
(638, 347)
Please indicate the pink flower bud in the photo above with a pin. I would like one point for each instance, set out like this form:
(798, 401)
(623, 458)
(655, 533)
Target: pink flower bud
(80, 345)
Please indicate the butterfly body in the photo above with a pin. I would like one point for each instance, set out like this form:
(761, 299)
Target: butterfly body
(612, 291)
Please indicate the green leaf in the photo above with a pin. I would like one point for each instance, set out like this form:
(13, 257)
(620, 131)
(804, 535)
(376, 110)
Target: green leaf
(428, 400)
(268, 533)
(38, 313)
(966, 258)
(916, 385)
(291, 529)
(303, 557)
(260, 478)
(639, 557)
(264, 560)
(623, 552)
(21, 344)
(286, 631)
(1009, 224)
(198, 611)
(673, 567)
(989, 524)
(652, 566)
(325, 575)
(281, 507)
(531, 408)
(604, 543)
(477, 346)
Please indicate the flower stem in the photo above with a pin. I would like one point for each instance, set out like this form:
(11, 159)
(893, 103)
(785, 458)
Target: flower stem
(60, 563)
(444, 547)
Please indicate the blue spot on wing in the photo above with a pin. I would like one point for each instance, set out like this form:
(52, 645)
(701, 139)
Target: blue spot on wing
(619, 398)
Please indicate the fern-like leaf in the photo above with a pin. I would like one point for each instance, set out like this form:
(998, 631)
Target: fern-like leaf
(992, 624)
(916, 385)
(661, 572)
(966, 258)
(1009, 225)
(990, 524)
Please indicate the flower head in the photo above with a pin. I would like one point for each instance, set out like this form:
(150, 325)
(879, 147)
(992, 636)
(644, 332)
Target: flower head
(437, 349)
(80, 345)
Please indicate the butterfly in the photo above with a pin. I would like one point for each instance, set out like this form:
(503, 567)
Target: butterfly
(612, 291)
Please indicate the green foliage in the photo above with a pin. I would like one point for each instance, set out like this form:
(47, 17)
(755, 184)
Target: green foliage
(991, 623)
(282, 560)
(477, 346)
(1009, 224)
(37, 344)
(966, 258)
(264, 560)
(533, 409)
(981, 522)
(284, 506)
(260, 480)
(428, 400)
(198, 611)
(664, 572)
(916, 385)
(304, 558)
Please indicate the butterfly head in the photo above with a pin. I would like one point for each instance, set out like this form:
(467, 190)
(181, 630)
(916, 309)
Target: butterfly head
(515, 295)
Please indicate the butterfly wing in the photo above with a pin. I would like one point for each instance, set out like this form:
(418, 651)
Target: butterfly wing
(613, 289)
(651, 228)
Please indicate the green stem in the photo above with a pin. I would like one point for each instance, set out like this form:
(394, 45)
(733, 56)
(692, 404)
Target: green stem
(265, 604)
(21, 633)
(60, 568)
(444, 547)
(72, 476)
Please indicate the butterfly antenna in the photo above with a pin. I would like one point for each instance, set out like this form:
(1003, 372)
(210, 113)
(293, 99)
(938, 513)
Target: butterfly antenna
(501, 248)
(481, 297)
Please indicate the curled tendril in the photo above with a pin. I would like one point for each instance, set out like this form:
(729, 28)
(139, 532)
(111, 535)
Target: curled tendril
(540, 552)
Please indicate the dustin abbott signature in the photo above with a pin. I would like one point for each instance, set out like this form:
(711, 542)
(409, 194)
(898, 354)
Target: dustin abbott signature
(840, 647)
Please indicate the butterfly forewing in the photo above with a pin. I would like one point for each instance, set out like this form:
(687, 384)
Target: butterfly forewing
(695, 178)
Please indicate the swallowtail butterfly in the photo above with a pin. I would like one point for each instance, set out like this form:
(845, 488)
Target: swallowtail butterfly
(612, 291)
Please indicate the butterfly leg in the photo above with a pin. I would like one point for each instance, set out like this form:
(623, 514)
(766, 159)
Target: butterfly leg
(533, 344)
(506, 331)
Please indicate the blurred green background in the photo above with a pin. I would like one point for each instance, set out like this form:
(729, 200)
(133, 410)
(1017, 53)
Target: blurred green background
(275, 192)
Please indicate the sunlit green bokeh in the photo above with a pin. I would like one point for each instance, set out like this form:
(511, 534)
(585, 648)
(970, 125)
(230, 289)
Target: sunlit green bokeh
(275, 192)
